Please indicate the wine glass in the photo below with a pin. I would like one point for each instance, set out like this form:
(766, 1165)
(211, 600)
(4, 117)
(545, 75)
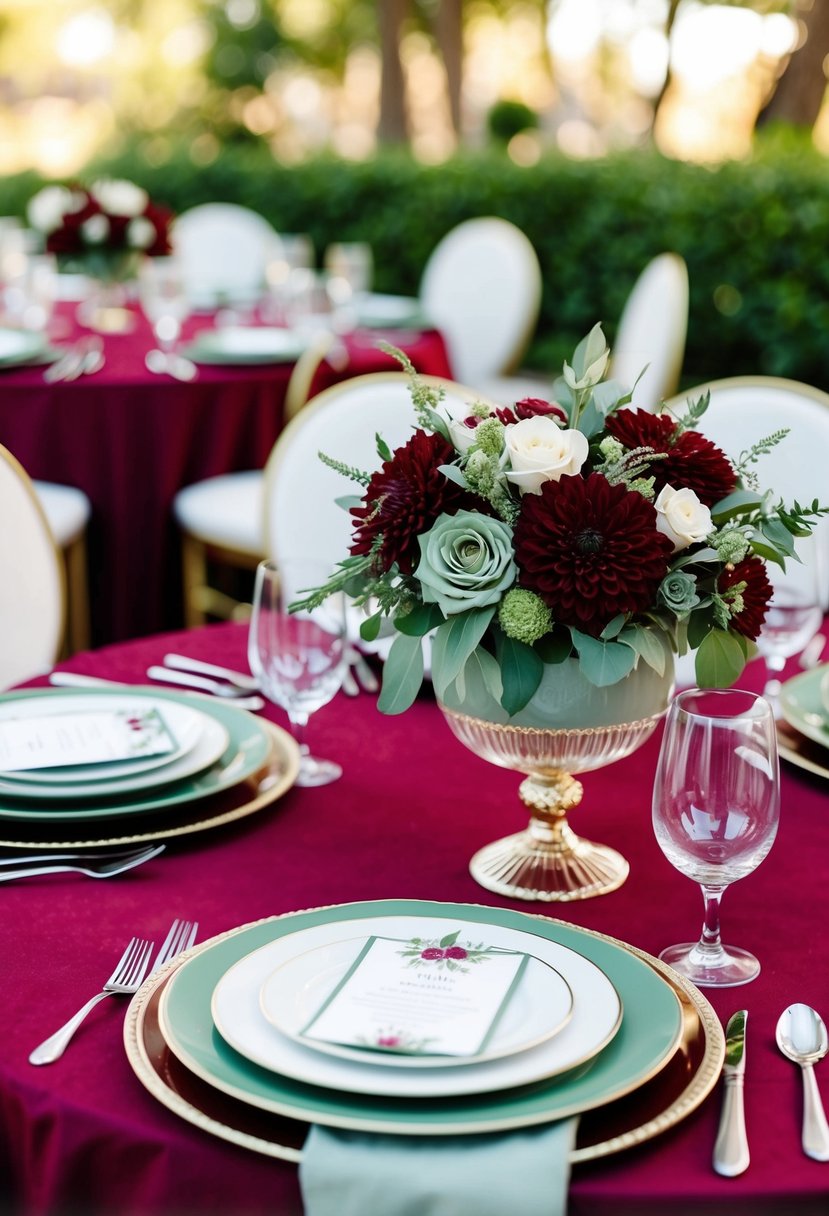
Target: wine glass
(163, 296)
(298, 657)
(716, 802)
(794, 614)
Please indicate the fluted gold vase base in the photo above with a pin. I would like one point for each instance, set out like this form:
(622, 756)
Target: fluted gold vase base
(522, 867)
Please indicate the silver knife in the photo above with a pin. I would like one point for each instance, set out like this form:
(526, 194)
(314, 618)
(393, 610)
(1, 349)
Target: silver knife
(731, 1155)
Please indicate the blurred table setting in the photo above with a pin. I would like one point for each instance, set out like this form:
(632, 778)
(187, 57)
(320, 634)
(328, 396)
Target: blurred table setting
(386, 845)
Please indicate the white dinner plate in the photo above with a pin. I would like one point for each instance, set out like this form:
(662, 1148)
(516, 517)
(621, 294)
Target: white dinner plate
(379, 311)
(201, 740)
(19, 346)
(540, 1007)
(237, 344)
(237, 1014)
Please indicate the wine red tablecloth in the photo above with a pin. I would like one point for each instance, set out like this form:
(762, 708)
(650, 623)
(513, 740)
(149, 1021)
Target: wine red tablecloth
(83, 1137)
(131, 440)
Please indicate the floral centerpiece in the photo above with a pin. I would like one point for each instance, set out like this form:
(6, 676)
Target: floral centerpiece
(102, 229)
(578, 528)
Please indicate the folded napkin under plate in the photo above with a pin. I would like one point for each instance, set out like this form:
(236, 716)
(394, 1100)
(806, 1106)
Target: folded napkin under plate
(215, 1088)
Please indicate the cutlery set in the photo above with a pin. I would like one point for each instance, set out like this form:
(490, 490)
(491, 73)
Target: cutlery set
(801, 1036)
(83, 359)
(126, 979)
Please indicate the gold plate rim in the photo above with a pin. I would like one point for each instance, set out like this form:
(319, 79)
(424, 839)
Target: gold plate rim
(692, 1003)
(283, 749)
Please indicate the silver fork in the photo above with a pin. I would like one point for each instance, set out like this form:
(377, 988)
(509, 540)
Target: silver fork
(101, 866)
(125, 980)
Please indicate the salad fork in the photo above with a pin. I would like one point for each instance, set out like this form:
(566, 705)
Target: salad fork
(104, 865)
(126, 979)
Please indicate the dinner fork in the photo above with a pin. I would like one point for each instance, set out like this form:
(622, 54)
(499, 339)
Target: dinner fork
(104, 865)
(126, 979)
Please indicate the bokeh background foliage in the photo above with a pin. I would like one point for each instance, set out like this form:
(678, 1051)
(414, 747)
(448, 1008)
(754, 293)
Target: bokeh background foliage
(754, 233)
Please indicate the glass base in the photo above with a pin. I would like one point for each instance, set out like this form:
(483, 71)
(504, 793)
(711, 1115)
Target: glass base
(726, 967)
(524, 867)
(317, 772)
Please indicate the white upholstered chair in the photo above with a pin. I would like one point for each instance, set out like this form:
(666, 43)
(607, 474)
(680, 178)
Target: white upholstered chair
(745, 409)
(224, 250)
(68, 510)
(32, 598)
(220, 518)
(482, 289)
(652, 331)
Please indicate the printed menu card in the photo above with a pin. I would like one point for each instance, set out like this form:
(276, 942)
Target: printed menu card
(95, 737)
(420, 997)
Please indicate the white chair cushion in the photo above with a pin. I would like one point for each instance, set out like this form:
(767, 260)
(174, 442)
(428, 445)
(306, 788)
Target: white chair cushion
(226, 511)
(482, 289)
(652, 331)
(224, 250)
(66, 508)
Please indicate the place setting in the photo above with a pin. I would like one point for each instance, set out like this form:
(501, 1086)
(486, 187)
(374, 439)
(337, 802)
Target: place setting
(408, 1018)
(122, 765)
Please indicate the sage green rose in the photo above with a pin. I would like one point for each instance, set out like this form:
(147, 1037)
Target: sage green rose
(678, 591)
(466, 561)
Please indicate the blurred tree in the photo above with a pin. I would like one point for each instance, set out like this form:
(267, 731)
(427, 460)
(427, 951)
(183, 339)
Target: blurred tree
(801, 87)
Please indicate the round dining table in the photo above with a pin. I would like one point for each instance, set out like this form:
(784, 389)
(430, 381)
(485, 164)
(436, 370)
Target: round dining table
(130, 439)
(83, 1135)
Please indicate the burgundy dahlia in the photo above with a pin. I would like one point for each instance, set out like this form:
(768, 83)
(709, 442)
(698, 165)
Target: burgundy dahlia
(591, 550)
(531, 407)
(404, 498)
(756, 594)
(692, 462)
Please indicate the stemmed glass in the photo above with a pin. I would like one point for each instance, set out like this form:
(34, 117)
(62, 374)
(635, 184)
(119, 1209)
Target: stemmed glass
(163, 296)
(298, 657)
(716, 802)
(794, 614)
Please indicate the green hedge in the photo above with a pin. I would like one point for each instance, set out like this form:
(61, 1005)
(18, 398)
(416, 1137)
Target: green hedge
(755, 235)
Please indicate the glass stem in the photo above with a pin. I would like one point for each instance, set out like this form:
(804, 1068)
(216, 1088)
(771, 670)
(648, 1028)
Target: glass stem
(299, 721)
(710, 941)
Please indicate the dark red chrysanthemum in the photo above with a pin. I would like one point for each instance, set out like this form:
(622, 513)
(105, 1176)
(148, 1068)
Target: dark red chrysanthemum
(591, 550)
(404, 498)
(692, 462)
(756, 594)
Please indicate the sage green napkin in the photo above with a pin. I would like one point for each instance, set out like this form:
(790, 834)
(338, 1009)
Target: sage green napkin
(358, 1174)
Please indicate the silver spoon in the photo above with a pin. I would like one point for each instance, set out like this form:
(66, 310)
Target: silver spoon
(165, 363)
(801, 1036)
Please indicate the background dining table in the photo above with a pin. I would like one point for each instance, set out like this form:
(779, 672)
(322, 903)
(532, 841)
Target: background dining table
(84, 1136)
(130, 440)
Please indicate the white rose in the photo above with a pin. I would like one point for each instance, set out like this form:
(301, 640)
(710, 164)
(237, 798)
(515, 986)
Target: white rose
(140, 233)
(120, 197)
(461, 435)
(540, 450)
(682, 517)
(48, 207)
(95, 230)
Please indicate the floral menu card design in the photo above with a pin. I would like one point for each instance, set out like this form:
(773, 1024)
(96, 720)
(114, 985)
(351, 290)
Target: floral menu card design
(420, 997)
(95, 737)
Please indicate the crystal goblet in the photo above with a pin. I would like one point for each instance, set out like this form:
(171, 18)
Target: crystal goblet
(716, 803)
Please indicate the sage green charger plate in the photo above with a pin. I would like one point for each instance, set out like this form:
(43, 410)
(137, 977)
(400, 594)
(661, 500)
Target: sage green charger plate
(245, 752)
(650, 1032)
(802, 706)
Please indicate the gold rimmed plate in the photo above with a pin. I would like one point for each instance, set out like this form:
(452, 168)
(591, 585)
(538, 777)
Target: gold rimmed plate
(658, 1104)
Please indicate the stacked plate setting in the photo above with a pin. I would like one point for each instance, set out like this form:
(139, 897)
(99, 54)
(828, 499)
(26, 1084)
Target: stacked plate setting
(224, 763)
(803, 732)
(593, 1027)
(247, 345)
(21, 347)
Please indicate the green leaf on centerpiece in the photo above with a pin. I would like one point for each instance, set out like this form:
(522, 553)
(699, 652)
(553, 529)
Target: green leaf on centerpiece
(778, 535)
(452, 473)
(383, 449)
(480, 678)
(370, 628)
(603, 663)
(348, 501)
(421, 619)
(700, 623)
(613, 627)
(402, 675)
(454, 642)
(647, 644)
(736, 503)
(521, 672)
(554, 647)
(720, 659)
(438, 423)
(768, 552)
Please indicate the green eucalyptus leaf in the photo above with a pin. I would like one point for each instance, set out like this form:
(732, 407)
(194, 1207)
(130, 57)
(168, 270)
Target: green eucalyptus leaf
(738, 502)
(720, 659)
(554, 647)
(454, 642)
(700, 623)
(383, 449)
(369, 629)
(347, 501)
(778, 535)
(452, 473)
(521, 672)
(647, 644)
(699, 555)
(439, 424)
(418, 622)
(761, 548)
(603, 663)
(480, 679)
(614, 627)
(402, 675)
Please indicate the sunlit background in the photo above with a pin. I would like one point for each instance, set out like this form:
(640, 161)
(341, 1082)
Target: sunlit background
(78, 78)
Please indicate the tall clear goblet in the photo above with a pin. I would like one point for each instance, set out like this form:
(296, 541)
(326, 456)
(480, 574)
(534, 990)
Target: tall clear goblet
(716, 803)
(298, 657)
(163, 295)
